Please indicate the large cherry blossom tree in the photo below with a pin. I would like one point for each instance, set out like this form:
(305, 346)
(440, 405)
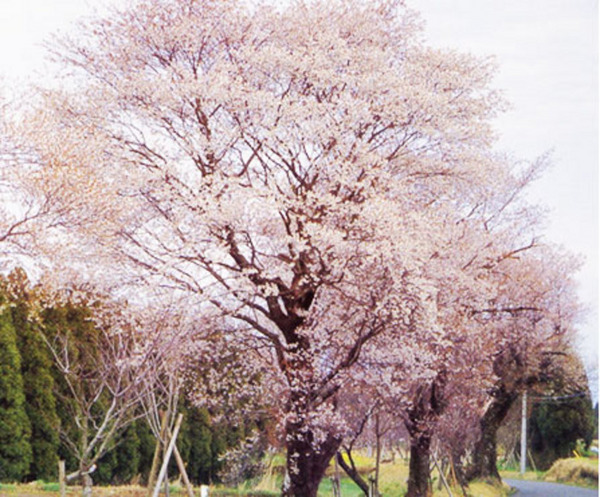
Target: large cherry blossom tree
(300, 172)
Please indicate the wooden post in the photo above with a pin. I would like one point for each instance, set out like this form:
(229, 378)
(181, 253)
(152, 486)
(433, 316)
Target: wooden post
(61, 478)
(183, 472)
(442, 478)
(531, 460)
(156, 459)
(163, 469)
(454, 479)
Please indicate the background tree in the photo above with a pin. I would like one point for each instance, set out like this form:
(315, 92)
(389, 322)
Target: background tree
(37, 387)
(557, 427)
(562, 418)
(201, 440)
(532, 319)
(15, 429)
(38, 382)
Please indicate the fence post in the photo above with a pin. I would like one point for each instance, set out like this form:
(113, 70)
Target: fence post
(61, 478)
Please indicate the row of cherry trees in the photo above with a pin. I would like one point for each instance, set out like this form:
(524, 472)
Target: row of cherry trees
(321, 191)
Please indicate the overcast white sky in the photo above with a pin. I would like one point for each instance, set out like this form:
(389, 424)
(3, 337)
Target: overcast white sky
(547, 51)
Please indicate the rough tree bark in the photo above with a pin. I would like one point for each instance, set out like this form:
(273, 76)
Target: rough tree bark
(87, 485)
(307, 461)
(418, 472)
(458, 470)
(483, 465)
(428, 405)
(86, 480)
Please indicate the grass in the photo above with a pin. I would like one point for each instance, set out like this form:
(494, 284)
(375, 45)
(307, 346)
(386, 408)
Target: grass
(580, 471)
(349, 489)
(515, 474)
(484, 489)
(393, 478)
(52, 489)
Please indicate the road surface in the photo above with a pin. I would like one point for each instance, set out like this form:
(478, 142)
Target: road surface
(545, 489)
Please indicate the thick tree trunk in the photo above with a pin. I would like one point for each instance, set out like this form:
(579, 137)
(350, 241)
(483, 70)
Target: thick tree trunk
(484, 465)
(87, 484)
(458, 470)
(418, 469)
(307, 460)
(428, 405)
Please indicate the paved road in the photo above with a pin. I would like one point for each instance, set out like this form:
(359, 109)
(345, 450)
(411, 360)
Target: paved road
(545, 489)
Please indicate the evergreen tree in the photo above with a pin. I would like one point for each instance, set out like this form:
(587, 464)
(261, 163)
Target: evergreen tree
(106, 467)
(121, 464)
(127, 455)
(146, 448)
(557, 425)
(200, 456)
(15, 430)
(38, 388)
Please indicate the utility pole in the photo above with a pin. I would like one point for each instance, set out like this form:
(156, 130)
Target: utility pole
(524, 433)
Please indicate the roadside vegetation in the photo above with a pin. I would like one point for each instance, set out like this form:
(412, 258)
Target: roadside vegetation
(394, 476)
(577, 471)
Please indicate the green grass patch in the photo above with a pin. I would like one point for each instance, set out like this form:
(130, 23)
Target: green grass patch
(347, 486)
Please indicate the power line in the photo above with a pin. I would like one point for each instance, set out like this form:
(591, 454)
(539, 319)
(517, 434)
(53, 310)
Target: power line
(551, 398)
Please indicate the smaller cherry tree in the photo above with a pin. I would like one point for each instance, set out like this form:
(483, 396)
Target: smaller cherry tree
(101, 377)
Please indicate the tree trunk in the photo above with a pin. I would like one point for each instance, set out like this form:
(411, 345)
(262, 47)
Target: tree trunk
(483, 465)
(418, 469)
(351, 471)
(377, 453)
(458, 470)
(428, 405)
(87, 484)
(307, 460)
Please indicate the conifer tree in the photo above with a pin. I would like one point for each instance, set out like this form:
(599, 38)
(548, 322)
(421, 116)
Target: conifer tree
(200, 466)
(38, 386)
(15, 430)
